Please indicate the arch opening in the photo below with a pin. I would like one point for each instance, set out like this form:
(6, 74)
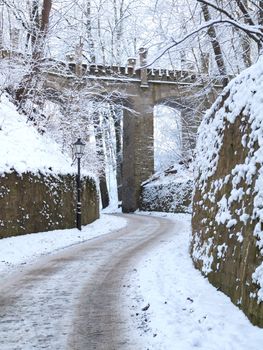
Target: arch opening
(167, 136)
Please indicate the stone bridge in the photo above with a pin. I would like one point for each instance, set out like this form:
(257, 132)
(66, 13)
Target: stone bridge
(140, 89)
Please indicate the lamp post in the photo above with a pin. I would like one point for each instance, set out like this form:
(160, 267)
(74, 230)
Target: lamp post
(78, 150)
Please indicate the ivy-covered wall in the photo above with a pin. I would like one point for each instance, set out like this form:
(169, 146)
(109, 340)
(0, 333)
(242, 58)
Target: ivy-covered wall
(34, 203)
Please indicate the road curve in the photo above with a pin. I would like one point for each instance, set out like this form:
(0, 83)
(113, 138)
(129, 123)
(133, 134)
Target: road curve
(71, 300)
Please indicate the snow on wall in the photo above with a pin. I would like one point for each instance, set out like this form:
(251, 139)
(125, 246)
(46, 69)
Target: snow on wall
(229, 178)
(23, 149)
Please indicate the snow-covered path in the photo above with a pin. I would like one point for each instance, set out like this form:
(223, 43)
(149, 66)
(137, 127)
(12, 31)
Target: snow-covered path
(73, 299)
(132, 289)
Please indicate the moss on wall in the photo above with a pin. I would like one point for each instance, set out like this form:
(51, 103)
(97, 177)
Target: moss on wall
(34, 203)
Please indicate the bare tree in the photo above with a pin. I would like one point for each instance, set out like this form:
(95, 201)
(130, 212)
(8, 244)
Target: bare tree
(38, 32)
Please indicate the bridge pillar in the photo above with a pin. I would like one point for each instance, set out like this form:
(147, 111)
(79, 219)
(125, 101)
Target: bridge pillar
(138, 151)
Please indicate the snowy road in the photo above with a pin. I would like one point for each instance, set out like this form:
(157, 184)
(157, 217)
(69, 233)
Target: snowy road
(74, 299)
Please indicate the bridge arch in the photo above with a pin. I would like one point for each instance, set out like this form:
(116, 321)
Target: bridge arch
(138, 143)
(189, 119)
(140, 91)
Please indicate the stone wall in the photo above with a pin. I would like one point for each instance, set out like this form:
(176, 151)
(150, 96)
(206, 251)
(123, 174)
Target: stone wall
(34, 203)
(227, 207)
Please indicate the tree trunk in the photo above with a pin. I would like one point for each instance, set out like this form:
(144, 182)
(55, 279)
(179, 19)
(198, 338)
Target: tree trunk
(38, 35)
(215, 44)
(105, 200)
(47, 4)
(1, 26)
(34, 18)
(246, 51)
(118, 22)
(43, 28)
(102, 44)
(117, 118)
(89, 34)
(245, 42)
(260, 20)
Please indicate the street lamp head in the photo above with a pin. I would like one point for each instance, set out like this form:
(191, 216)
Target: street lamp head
(78, 148)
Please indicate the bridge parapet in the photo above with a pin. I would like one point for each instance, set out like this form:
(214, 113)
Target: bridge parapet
(166, 75)
(132, 70)
(128, 72)
(106, 71)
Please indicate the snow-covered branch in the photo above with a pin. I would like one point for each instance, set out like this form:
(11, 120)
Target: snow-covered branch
(249, 30)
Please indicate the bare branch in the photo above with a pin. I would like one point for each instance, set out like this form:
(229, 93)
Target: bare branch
(249, 30)
(219, 9)
(248, 19)
(243, 9)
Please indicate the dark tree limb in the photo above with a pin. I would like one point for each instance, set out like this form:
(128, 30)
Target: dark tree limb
(215, 44)
(254, 33)
(244, 11)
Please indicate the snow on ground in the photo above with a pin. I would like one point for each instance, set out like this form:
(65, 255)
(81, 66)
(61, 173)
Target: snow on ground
(19, 250)
(186, 312)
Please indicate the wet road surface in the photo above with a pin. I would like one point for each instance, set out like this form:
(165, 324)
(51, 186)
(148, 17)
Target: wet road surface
(72, 300)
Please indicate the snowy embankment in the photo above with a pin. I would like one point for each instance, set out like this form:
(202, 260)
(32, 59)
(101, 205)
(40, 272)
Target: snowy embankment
(23, 149)
(184, 311)
(169, 191)
(17, 251)
(37, 184)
